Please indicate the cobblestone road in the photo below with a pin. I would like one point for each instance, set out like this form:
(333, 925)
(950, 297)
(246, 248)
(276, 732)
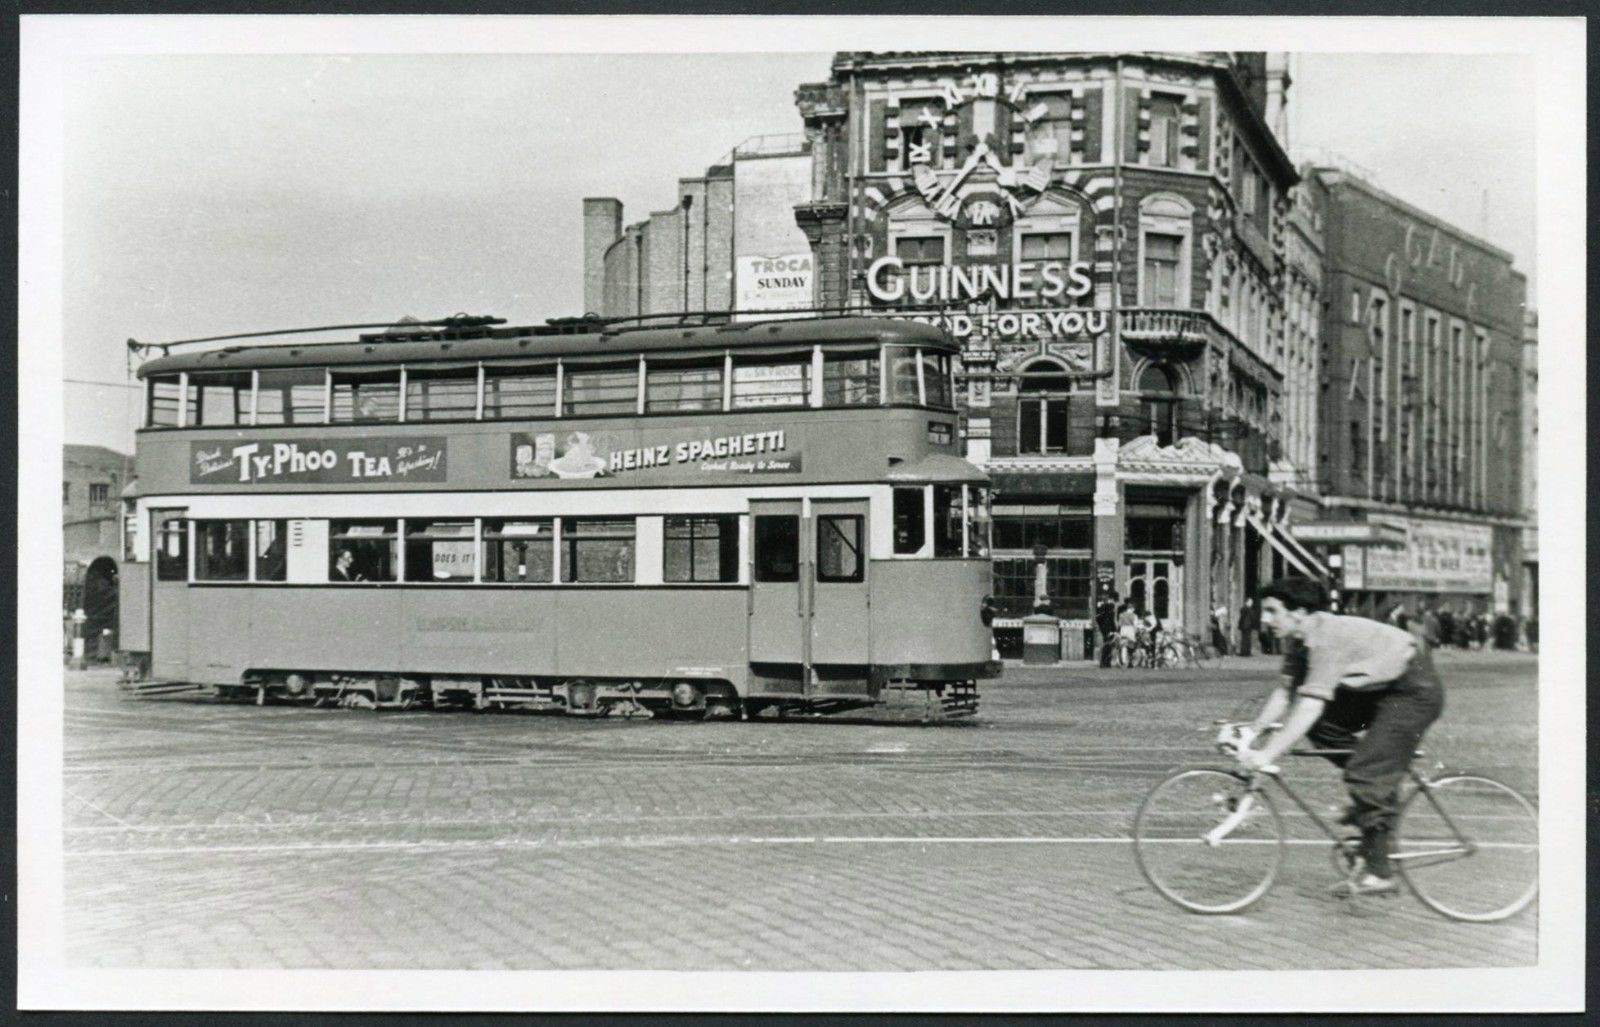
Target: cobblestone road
(210, 836)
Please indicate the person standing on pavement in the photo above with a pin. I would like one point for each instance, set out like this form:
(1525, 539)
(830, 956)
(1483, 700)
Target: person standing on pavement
(1248, 624)
(1105, 621)
(1219, 629)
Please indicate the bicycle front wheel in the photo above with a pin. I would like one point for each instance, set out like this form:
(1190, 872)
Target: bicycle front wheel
(1468, 847)
(1207, 841)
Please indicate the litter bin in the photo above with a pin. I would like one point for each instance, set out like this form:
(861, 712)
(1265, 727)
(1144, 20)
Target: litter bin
(1041, 639)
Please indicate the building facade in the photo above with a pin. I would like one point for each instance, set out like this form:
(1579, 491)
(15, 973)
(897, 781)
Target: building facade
(1109, 236)
(1420, 416)
(1177, 347)
(92, 482)
(1530, 464)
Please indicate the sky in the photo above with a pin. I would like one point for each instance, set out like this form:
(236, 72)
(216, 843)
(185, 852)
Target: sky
(220, 193)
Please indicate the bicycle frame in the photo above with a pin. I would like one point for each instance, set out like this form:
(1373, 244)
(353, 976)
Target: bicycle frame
(1467, 846)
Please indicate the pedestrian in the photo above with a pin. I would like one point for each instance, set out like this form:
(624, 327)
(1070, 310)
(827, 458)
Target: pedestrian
(1531, 631)
(1431, 627)
(1249, 623)
(1447, 627)
(1105, 621)
(1219, 629)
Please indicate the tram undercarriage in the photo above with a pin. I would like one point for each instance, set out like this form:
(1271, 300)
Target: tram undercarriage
(584, 697)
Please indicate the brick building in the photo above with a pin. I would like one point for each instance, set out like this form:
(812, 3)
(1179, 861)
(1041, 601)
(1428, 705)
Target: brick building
(1109, 235)
(1420, 417)
(1530, 465)
(731, 240)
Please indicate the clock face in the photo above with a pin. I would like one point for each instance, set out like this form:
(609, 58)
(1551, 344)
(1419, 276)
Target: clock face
(985, 172)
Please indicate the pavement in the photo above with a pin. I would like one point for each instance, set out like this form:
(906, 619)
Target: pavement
(202, 835)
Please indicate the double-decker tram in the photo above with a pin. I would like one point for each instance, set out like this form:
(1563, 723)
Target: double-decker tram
(727, 518)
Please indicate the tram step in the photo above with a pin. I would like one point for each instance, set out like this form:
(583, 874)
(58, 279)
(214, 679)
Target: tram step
(141, 689)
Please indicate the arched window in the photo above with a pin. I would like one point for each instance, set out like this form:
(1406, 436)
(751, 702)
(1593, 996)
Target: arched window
(1158, 390)
(1055, 413)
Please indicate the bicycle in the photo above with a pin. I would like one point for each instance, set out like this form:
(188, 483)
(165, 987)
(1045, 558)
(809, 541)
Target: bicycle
(1213, 841)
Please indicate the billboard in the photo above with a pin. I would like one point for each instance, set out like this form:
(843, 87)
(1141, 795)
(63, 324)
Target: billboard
(773, 283)
(1438, 556)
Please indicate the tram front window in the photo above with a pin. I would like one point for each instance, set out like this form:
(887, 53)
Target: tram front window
(519, 551)
(221, 550)
(936, 378)
(223, 398)
(910, 531)
(597, 549)
(439, 551)
(162, 410)
(948, 531)
(362, 551)
(902, 375)
(978, 521)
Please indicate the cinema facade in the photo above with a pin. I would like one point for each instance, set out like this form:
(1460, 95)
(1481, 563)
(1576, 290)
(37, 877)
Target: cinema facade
(1112, 239)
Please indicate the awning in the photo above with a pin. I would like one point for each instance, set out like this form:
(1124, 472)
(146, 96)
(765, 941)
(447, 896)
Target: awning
(938, 467)
(1348, 533)
(1281, 531)
(1277, 543)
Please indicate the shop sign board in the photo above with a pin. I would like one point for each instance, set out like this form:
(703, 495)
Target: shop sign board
(1438, 556)
(322, 461)
(1347, 533)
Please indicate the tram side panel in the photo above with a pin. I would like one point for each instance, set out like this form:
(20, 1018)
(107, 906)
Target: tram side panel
(599, 633)
(926, 618)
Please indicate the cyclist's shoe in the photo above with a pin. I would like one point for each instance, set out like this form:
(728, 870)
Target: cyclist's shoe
(1366, 884)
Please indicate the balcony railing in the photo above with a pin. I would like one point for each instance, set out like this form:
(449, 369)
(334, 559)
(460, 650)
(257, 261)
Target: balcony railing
(1158, 324)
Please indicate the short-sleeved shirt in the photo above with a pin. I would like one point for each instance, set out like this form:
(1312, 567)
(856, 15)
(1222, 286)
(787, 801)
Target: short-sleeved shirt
(1347, 652)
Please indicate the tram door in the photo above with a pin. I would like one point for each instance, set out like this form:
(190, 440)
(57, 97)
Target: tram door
(778, 579)
(169, 594)
(839, 611)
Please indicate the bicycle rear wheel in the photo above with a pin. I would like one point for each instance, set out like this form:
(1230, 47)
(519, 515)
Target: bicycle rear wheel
(1208, 842)
(1468, 847)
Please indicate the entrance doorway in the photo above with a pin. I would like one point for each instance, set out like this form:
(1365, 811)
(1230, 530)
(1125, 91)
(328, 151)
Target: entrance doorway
(1157, 584)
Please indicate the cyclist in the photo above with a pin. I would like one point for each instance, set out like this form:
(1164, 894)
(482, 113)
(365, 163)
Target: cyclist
(1349, 683)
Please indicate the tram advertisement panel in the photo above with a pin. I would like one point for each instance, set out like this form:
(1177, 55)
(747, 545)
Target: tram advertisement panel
(324, 461)
(581, 454)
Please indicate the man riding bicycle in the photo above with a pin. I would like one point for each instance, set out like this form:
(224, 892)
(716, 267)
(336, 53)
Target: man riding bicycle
(1349, 683)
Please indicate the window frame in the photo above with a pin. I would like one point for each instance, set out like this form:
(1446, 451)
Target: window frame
(572, 538)
(418, 531)
(491, 531)
(728, 549)
(859, 574)
(338, 540)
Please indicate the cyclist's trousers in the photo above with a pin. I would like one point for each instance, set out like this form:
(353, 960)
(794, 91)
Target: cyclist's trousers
(1381, 728)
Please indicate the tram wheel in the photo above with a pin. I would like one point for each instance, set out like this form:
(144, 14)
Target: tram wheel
(581, 697)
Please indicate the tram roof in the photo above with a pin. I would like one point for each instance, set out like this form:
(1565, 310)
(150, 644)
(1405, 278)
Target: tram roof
(512, 344)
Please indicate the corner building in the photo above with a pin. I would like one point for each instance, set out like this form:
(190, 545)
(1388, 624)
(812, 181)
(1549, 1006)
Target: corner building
(1422, 407)
(1108, 235)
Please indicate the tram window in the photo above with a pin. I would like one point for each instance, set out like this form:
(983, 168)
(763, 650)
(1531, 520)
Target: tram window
(850, 379)
(163, 402)
(439, 550)
(223, 398)
(602, 390)
(272, 541)
(365, 396)
(948, 529)
(978, 520)
(292, 395)
(910, 531)
(172, 549)
(936, 378)
(441, 395)
(682, 387)
(902, 374)
(701, 548)
(373, 548)
(771, 382)
(519, 392)
(777, 542)
(595, 549)
(839, 548)
(221, 552)
(519, 551)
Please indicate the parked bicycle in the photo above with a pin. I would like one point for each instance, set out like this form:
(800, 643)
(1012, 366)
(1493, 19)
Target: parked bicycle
(1213, 841)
